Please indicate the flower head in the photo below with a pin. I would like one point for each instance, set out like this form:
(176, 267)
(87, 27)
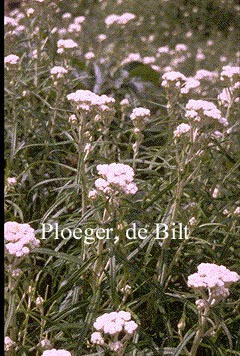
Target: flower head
(140, 116)
(87, 100)
(120, 20)
(65, 44)
(200, 109)
(109, 326)
(54, 352)
(172, 78)
(11, 59)
(20, 238)
(117, 177)
(215, 278)
(181, 129)
(96, 338)
(10, 21)
(58, 72)
(11, 180)
(8, 343)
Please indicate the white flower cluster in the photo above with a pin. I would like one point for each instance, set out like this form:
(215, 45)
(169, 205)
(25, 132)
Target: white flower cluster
(10, 21)
(45, 344)
(124, 102)
(58, 72)
(65, 44)
(163, 50)
(237, 211)
(113, 324)
(79, 19)
(66, 16)
(132, 57)
(8, 343)
(149, 60)
(11, 59)
(181, 129)
(39, 301)
(11, 180)
(228, 72)
(173, 78)
(116, 346)
(87, 100)
(205, 74)
(55, 352)
(15, 273)
(190, 83)
(76, 27)
(198, 109)
(230, 94)
(120, 20)
(73, 27)
(30, 11)
(224, 98)
(89, 55)
(215, 278)
(20, 237)
(101, 37)
(117, 177)
(139, 112)
(140, 117)
(181, 47)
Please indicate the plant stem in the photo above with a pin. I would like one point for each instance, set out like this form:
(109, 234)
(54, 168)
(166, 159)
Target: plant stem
(200, 333)
(81, 167)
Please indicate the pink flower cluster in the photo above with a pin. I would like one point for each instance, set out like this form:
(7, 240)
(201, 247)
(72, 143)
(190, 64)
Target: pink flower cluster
(190, 83)
(11, 180)
(181, 47)
(89, 55)
(163, 50)
(140, 117)
(54, 352)
(11, 59)
(87, 100)
(205, 74)
(65, 44)
(120, 20)
(228, 72)
(237, 211)
(181, 129)
(225, 97)
(10, 21)
(117, 177)
(113, 324)
(172, 77)
(198, 109)
(20, 237)
(215, 278)
(124, 102)
(76, 25)
(132, 57)
(8, 344)
(230, 94)
(139, 112)
(58, 72)
(149, 60)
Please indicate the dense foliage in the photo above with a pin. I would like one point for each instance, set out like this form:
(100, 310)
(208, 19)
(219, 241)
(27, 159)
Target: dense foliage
(70, 113)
